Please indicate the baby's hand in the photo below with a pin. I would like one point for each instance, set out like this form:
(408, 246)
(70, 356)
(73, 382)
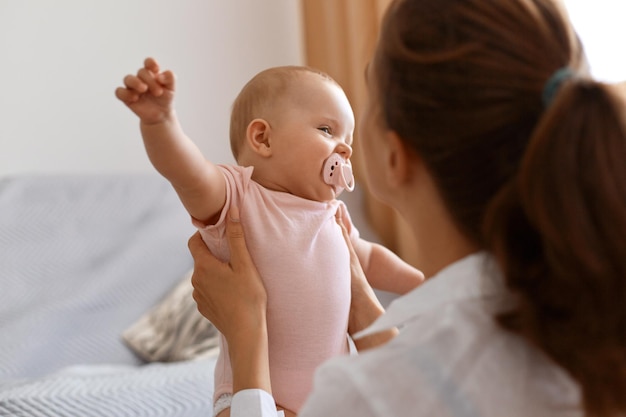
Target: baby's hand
(149, 94)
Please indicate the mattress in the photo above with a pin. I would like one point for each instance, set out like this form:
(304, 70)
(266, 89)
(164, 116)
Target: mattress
(81, 259)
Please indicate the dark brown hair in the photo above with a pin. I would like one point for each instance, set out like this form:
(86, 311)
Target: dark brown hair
(461, 81)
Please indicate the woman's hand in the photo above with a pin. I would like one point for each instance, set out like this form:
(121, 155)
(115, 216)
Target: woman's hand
(232, 296)
(364, 307)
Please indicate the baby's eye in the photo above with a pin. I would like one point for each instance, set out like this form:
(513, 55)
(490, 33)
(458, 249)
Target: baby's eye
(325, 129)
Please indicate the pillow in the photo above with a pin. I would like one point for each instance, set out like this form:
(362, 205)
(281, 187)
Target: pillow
(173, 330)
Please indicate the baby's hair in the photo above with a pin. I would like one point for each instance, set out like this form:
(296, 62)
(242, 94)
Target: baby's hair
(260, 94)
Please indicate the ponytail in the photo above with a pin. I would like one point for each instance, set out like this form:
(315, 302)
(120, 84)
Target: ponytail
(558, 231)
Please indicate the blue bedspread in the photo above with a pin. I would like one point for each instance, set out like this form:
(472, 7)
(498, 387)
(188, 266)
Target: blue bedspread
(178, 389)
(81, 258)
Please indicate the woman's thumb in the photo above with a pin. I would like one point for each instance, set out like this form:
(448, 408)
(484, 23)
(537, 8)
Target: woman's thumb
(236, 239)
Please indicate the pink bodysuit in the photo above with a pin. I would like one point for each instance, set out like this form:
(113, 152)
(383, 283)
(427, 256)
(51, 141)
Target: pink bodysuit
(299, 250)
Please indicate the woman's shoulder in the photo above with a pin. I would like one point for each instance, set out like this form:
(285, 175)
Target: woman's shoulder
(456, 360)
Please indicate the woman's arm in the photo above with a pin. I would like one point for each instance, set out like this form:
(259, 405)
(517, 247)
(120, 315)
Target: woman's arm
(233, 298)
(364, 307)
(364, 310)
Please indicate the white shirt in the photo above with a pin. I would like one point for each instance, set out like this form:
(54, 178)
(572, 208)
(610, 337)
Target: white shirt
(450, 359)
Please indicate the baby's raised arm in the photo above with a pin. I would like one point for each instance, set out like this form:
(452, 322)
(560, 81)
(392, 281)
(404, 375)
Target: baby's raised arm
(198, 182)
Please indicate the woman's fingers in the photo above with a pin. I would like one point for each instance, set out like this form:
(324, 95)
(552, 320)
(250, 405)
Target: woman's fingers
(249, 284)
(231, 295)
(344, 232)
(239, 255)
(197, 248)
(355, 265)
(203, 261)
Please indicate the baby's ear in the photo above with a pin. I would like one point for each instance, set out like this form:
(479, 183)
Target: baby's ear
(258, 137)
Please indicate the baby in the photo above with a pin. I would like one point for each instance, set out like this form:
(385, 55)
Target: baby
(291, 134)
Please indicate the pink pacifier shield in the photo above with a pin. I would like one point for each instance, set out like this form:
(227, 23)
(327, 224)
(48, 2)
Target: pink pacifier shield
(338, 172)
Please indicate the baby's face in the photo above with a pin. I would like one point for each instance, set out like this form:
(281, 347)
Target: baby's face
(313, 123)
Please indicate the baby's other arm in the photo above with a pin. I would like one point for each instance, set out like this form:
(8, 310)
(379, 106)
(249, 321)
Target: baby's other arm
(198, 182)
(385, 270)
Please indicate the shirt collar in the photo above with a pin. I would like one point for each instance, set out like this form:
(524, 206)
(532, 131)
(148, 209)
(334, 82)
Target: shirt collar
(475, 276)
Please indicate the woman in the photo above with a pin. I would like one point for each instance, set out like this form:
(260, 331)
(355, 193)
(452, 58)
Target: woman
(485, 132)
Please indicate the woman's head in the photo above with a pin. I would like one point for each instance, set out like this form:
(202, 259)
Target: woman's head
(543, 187)
(461, 84)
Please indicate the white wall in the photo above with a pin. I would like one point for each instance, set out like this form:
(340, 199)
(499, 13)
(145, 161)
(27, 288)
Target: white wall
(602, 29)
(62, 60)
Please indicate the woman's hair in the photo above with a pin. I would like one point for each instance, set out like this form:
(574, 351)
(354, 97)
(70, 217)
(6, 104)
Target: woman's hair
(259, 96)
(542, 187)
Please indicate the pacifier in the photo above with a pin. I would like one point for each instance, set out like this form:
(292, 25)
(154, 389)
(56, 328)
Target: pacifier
(338, 172)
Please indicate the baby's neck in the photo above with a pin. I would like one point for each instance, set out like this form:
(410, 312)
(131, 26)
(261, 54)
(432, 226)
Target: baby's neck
(271, 184)
(265, 182)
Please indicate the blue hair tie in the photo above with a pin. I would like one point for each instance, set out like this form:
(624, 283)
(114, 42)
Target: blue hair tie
(551, 87)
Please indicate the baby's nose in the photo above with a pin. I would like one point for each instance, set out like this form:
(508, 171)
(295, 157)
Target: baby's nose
(344, 150)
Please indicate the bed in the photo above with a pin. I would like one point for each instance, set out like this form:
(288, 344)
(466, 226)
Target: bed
(96, 314)
(83, 259)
